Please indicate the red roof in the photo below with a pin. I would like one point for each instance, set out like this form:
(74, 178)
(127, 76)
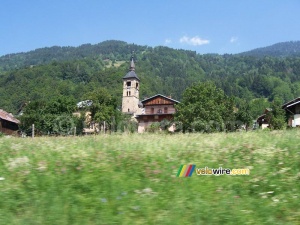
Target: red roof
(8, 116)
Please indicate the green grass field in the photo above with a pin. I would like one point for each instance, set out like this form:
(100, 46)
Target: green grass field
(131, 179)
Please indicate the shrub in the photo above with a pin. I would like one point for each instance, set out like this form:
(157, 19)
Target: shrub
(154, 127)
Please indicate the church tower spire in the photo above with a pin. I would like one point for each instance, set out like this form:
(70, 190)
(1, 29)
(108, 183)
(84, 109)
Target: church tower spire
(131, 86)
(132, 66)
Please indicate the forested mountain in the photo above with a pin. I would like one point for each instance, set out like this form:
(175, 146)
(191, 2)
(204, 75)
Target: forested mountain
(73, 72)
(115, 50)
(283, 49)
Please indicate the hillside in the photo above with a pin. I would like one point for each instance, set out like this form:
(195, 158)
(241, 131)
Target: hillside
(73, 72)
(115, 50)
(283, 49)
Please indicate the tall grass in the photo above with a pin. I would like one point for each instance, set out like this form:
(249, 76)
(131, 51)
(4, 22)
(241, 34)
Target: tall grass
(131, 179)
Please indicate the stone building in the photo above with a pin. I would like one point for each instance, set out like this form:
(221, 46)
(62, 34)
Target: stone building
(131, 86)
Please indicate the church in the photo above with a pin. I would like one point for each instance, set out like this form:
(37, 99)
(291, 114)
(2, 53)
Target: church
(149, 110)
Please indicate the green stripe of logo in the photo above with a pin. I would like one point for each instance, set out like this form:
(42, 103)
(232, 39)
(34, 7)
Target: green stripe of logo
(179, 171)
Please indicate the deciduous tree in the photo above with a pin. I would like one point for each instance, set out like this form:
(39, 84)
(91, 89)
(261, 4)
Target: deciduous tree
(276, 117)
(204, 107)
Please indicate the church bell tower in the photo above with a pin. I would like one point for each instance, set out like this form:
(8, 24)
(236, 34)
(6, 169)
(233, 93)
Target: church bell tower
(131, 86)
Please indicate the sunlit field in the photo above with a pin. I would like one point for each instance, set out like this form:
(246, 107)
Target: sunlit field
(131, 179)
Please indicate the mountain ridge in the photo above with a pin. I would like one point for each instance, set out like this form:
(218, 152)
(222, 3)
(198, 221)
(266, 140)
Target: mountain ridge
(281, 49)
(107, 49)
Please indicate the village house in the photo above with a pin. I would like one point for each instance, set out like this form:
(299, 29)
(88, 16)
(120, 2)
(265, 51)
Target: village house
(292, 109)
(156, 109)
(262, 119)
(8, 123)
(148, 111)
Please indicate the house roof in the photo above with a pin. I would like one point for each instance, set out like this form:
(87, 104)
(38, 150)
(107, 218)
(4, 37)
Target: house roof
(160, 95)
(291, 103)
(8, 116)
(295, 103)
(154, 114)
(261, 117)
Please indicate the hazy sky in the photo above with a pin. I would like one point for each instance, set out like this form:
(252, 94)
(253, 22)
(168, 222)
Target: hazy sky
(206, 26)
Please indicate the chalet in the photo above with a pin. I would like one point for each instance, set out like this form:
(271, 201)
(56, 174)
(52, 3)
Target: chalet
(262, 120)
(8, 123)
(156, 109)
(292, 109)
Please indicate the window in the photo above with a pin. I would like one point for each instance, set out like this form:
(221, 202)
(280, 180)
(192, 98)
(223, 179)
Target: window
(166, 110)
(128, 83)
(137, 85)
(128, 110)
(159, 111)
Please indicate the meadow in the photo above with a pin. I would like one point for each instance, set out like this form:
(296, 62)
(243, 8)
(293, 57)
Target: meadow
(131, 179)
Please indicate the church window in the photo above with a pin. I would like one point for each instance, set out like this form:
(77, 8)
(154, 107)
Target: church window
(128, 83)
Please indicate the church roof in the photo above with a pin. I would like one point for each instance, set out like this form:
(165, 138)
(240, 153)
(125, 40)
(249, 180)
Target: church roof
(131, 73)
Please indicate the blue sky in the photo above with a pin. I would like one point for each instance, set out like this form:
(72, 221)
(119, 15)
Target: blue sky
(205, 26)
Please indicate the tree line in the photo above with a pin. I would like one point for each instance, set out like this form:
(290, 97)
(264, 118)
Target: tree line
(204, 108)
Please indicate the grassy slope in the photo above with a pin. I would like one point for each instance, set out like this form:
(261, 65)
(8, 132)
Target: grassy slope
(131, 179)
